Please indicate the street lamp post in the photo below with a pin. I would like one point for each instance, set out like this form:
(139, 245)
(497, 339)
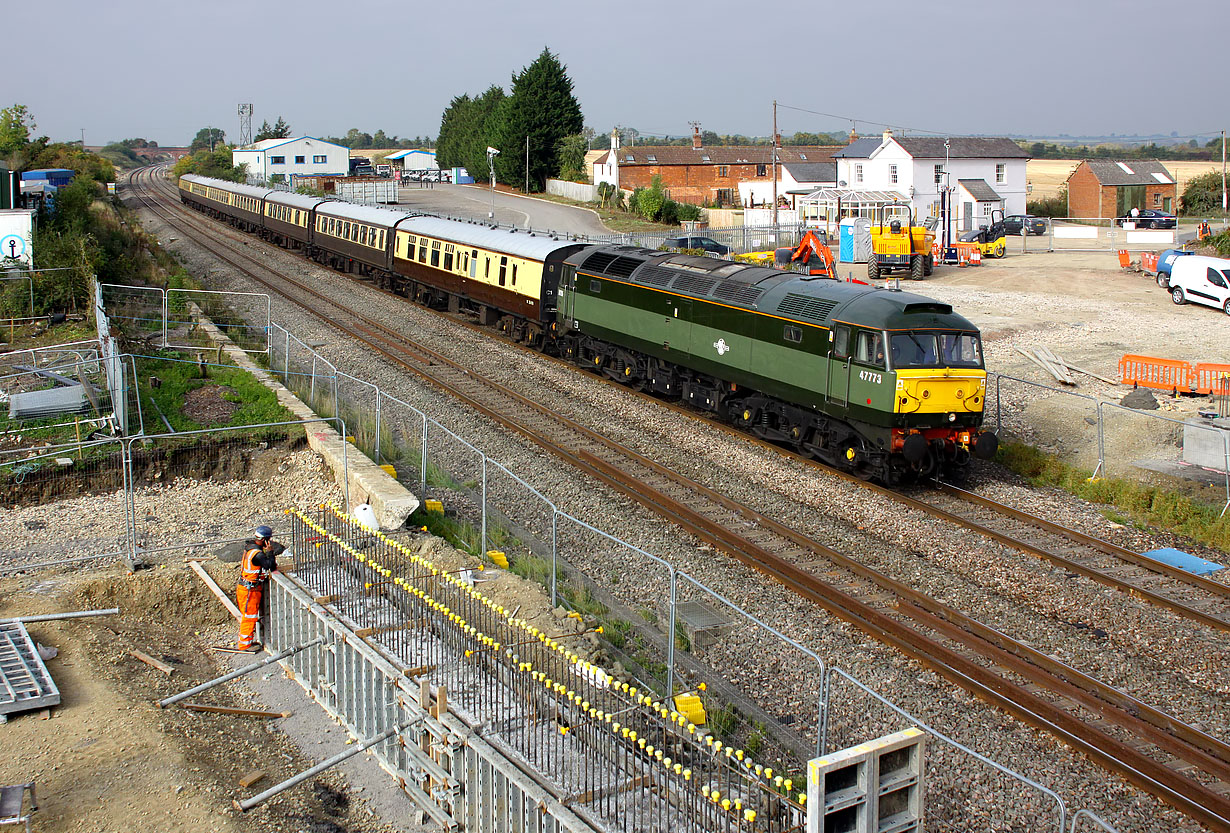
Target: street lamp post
(492, 153)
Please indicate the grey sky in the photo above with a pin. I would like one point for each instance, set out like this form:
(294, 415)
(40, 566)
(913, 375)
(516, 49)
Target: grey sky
(162, 71)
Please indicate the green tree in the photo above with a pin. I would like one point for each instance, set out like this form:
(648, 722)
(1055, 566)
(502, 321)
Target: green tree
(379, 140)
(467, 128)
(542, 109)
(1202, 195)
(217, 164)
(208, 137)
(280, 130)
(650, 201)
(571, 152)
(16, 125)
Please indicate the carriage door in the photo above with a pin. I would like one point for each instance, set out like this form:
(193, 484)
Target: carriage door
(839, 369)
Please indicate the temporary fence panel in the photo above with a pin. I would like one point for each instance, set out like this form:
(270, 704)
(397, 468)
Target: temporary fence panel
(1095, 234)
(1172, 375)
(230, 312)
(1210, 378)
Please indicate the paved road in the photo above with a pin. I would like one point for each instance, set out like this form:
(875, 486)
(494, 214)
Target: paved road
(473, 202)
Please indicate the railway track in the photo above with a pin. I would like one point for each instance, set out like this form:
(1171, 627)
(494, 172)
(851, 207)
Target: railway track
(1174, 761)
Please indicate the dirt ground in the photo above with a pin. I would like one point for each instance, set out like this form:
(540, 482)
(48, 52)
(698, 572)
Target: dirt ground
(1048, 176)
(108, 759)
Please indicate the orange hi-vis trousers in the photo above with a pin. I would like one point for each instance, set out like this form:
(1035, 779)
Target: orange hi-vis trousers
(248, 600)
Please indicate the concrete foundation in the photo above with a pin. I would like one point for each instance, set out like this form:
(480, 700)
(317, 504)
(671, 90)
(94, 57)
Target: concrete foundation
(1204, 443)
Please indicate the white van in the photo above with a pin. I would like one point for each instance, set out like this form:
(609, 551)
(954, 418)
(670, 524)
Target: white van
(1201, 280)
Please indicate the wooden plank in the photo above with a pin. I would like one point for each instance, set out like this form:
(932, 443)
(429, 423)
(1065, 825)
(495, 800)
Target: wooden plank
(213, 585)
(419, 671)
(1058, 363)
(251, 778)
(153, 663)
(1032, 358)
(201, 707)
(1071, 366)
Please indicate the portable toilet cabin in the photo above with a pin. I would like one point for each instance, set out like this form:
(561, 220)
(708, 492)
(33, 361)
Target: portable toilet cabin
(855, 243)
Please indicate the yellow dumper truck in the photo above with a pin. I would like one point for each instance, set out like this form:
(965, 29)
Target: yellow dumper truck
(897, 243)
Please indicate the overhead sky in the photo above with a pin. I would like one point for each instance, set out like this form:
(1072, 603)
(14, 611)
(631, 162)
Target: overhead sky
(162, 71)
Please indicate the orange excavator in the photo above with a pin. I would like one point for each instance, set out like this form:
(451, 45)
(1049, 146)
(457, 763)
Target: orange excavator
(811, 257)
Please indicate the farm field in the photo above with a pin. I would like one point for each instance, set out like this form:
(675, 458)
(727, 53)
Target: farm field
(1049, 175)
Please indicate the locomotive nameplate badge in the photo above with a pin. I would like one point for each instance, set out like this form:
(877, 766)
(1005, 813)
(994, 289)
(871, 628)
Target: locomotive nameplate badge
(722, 347)
(870, 376)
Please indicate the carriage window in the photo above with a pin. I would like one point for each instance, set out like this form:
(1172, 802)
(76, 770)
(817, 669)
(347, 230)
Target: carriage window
(794, 334)
(422, 250)
(448, 261)
(503, 269)
(487, 269)
(514, 275)
(363, 235)
(869, 348)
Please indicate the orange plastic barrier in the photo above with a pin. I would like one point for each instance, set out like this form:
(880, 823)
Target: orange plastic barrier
(1125, 259)
(1152, 372)
(1148, 262)
(1211, 378)
(965, 252)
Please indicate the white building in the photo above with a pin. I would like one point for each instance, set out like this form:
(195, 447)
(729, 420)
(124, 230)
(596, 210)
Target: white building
(985, 174)
(280, 160)
(413, 160)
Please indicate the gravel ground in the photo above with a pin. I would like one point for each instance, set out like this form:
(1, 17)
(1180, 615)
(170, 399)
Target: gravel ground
(1165, 662)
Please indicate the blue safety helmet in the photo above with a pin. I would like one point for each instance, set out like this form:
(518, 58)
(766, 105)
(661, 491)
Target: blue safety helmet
(265, 532)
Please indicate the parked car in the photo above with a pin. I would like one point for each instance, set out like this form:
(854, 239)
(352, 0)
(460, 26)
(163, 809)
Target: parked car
(1024, 224)
(693, 242)
(1148, 218)
(1201, 280)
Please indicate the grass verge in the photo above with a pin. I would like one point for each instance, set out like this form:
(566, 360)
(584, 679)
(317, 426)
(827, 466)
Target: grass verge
(1125, 500)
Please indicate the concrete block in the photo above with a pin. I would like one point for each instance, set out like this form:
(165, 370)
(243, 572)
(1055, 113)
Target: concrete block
(875, 787)
(1204, 444)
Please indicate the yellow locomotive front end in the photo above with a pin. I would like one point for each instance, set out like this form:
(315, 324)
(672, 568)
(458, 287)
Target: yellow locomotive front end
(940, 395)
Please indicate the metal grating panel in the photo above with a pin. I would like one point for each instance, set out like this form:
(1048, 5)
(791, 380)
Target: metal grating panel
(739, 292)
(655, 276)
(802, 306)
(693, 284)
(24, 681)
(623, 267)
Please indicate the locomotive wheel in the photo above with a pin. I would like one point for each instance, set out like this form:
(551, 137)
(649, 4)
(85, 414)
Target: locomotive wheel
(873, 269)
(917, 268)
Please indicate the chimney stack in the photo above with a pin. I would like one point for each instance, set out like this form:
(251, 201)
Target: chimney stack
(614, 139)
(696, 135)
(888, 136)
(853, 136)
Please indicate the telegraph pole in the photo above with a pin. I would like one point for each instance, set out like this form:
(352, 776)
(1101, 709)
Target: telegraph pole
(1223, 173)
(775, 164)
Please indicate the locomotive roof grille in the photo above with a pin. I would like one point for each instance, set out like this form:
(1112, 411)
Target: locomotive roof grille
(739, 292)
(655, 276)
(623, 267)
(803, 306)
(694, 284)
(598, 261)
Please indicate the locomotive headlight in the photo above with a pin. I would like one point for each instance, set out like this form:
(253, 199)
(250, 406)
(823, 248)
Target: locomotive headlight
(952, 417)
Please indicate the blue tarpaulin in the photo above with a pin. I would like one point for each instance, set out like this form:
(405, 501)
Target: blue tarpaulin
(1185, 561)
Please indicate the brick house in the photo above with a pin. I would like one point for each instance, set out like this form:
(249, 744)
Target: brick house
(1106, 189)
(702, 175)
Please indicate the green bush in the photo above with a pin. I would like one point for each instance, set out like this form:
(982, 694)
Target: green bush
(1202, 195)
(1056, 206)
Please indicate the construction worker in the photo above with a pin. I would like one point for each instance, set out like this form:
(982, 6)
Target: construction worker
(259, 560)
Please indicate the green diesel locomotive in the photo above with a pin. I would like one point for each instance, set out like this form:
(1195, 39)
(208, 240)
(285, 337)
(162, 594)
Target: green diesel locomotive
(886, 384)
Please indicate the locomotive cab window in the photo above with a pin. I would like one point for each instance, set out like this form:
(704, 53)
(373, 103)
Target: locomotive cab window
(936, 350)
(869, 348)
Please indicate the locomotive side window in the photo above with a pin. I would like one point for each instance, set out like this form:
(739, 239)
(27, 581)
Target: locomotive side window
(869, 348)
(595, 287)
(793, 334)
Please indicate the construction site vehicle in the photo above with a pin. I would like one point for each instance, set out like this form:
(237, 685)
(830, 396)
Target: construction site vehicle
(811, 257)
(897, 243)
(992, 240)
